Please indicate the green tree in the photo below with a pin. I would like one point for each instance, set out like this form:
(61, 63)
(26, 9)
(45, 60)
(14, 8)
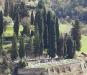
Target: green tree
(11, 11)
(36, 39)
(6, 10)
(1, 23)
(16, 25)
(45, 36)
(23, 11)
(76, 34)
(32, 18)
(41, 4)
(1, 31)
(39, 23)
(51, 34)
(14, 50)
(60, 46)
(70, 44)
(21, 47)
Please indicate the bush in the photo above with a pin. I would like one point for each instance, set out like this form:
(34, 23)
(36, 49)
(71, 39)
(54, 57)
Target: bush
(22, 64)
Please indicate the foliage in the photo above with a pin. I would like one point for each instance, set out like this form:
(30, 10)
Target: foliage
(70, 44)
(76, 34)
(14, 50)
(1, 23)
(60, 46)
(32, 18)
(6, 11)
(22, 64)
(21, 47)
(51, 34)
(16, 24)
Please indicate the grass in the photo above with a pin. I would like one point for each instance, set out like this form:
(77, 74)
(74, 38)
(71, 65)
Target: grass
(84, 43)
(9, 31)
(65, 28)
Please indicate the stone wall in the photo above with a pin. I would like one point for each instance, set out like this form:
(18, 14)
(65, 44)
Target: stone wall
(65, 69)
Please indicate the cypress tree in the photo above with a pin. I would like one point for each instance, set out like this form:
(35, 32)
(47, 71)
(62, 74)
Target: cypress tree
(41, 4)
(16, 25)
(76, 35)
(1, 23)
(1, 31)
(14, 51)
(36, 44)
(41, 29)
(51, 34)
(6, 10)
(32, 18)
(57, 38)
(70, 47)
(11, 13)
(21, 47)
(36, 39)
(45, 36)
(23, 11)
(65, 46)
(49, 14)
(60, 46)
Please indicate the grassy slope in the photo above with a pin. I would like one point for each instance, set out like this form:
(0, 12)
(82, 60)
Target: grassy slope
(84, 43)
(66, 28)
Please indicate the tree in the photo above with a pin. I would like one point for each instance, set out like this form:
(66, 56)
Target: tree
(26, 26)
(1, 23)
(41, 4)
(21, 47)
(36, 44)
(6, 10)
(1, 31)
(37, 41)
(60, 46)
(14, 51)
(16, 25)
(51, 34)
(23, 11)
(58, 36)
(11, 11)
(32, 18)
(70, 47)
(45, 36)
(76, 34)
(65, 46)
(39, 23)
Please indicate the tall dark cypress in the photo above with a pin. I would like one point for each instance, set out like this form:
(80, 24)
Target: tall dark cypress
(60, 47)
(23, 11)
(49, 14)
(70, 47)
(32, 18)
(1, 31)
(57, 37)
(45, 36)
(41, 30)
(11, 12)
(16, 24)
(51, 34)
(6, 10)
(76, 34)
(1, 23)
(14, 51)
(36, 40)
(65, 46)
(21, 47)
